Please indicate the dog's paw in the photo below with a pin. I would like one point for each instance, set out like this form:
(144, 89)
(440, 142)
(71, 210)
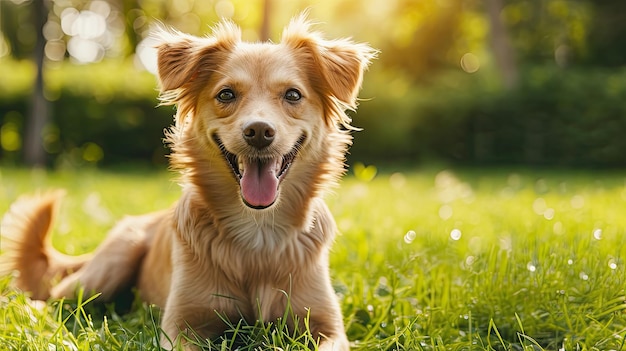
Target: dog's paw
(338, 344)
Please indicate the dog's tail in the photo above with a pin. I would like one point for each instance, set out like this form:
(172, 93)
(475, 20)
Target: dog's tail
(27, 248)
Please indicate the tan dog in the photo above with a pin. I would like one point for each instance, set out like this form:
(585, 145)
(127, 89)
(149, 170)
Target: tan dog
(260, 134)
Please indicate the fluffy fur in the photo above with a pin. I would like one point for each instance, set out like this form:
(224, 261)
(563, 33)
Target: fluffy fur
(260, 134)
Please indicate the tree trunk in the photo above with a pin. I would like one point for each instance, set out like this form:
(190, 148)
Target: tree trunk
(34, 153)
(264, 32)
(502, 49)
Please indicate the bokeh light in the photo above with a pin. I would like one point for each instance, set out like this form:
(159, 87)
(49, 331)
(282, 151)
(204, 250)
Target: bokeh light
(455, 234)
(470, 63)
(91, 32)
(146, 54)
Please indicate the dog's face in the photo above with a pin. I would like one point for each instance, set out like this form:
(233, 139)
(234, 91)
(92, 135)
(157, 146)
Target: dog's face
(266, 114)
(260, 112)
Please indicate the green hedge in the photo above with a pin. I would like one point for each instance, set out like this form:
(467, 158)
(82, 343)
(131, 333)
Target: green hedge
(104, 113)
(555, 117)
(107, 114)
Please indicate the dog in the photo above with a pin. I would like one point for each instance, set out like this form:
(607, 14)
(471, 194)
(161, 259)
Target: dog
(260, 134)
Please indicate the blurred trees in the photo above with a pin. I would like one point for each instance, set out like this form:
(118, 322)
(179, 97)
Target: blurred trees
(34, 153)
(607, 30)
(417, 37)
(502, 51)
(441, 74)
(87, 31)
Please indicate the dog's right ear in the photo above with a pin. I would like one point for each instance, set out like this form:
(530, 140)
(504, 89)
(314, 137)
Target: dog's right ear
(174, 65)
(182, 58)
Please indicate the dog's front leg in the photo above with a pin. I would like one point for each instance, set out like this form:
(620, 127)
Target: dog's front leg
(325, 319)
(326, 324)
(189, 327)
(332, 336)
(195, 312)
(338, 343)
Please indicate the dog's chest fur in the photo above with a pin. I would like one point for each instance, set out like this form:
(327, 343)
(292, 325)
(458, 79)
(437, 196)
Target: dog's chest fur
(248, 261)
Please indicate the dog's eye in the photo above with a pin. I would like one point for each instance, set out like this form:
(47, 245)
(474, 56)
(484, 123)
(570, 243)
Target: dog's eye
(293, 95)
(226, 95)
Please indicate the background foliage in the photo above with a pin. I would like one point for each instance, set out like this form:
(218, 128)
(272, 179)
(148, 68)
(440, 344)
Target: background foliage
(436, 92)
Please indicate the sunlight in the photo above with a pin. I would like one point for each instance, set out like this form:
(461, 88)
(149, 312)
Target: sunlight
(10, 139)
(146, 55)
(397, 180)
(470, 63)
(540, 206)
(84, 50)
(558, 228)
(577, 202)
(91, 33)
(549, 213)
(597, 234)
(5, 49)
(55, 50)
(409, 236)
(455, 234)
(445, 212)
(225, 9)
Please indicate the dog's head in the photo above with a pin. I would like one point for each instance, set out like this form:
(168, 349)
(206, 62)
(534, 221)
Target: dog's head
(265, 114)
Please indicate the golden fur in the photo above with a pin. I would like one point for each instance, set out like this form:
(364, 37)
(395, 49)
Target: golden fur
(239, 243)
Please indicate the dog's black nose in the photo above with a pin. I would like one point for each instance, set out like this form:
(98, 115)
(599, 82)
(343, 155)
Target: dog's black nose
(259, 134)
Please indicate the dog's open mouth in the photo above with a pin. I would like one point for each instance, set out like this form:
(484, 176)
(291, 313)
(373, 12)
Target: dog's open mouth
(259, 177)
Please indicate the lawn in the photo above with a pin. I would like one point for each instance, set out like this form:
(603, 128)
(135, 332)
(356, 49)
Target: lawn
(427, 259)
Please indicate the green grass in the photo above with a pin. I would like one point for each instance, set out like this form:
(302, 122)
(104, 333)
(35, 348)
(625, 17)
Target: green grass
(427, 260)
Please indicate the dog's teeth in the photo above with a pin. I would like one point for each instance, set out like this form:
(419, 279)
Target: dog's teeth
(241, 169)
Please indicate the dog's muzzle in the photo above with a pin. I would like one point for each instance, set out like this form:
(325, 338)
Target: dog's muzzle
(259, 178)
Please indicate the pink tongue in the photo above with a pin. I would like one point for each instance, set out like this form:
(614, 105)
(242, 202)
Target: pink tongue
(259, 183)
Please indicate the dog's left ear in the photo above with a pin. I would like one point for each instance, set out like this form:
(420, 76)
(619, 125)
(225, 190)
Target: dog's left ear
(340, 63)
(343, 63)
